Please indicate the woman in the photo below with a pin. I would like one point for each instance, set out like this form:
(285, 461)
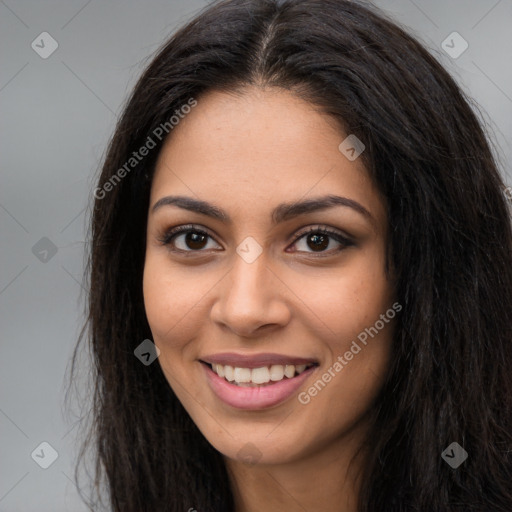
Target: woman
(301, 275)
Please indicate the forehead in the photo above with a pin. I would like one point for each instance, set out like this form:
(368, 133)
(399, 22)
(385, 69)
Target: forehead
(258, 148)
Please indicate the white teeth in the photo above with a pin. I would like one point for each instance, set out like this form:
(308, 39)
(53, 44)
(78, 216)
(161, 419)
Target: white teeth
(262, 375)
(242, 375)
(229, 373)
(219, 369)
(289, 370)
(276, 372)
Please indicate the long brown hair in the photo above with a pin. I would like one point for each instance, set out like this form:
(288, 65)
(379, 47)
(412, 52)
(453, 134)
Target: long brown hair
(450, 243)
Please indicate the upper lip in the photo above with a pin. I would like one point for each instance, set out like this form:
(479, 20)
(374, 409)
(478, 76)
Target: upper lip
(254, 360)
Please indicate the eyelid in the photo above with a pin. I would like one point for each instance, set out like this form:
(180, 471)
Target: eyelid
(325, 229)
(168, 234)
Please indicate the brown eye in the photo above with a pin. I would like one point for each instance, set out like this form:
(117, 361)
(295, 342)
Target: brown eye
(319, 239)
(195, 240)
(317, 242)
(186, 239)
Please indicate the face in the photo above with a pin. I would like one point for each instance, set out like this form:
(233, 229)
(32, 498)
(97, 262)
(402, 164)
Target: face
(269, 302)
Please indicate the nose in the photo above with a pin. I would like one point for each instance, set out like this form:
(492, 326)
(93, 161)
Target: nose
(251, 300)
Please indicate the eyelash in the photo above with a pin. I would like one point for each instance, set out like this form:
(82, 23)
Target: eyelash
(169, 235)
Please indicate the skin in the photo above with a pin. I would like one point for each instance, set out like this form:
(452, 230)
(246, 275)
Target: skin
(247, 153)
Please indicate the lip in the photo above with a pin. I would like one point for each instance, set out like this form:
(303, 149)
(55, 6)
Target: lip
(255, 360)
(255, 398)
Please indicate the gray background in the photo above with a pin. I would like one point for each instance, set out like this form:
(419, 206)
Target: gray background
(56, 117)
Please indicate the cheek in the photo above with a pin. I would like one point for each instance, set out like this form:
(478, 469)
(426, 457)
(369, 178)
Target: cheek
(352, 310)
(352, 298)
(169, 300)
(348, 383)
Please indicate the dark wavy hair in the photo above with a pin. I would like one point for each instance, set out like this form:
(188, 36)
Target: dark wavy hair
(450, 244)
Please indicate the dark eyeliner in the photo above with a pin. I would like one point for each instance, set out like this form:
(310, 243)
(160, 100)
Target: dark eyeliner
(341, 239)
(168, 235)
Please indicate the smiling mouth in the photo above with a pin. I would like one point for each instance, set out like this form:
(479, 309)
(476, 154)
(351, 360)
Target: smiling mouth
(258, 377)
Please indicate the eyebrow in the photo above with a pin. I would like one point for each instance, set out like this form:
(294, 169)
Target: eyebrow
(281, 213)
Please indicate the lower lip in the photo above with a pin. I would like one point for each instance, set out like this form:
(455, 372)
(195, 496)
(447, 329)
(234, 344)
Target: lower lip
(257, 397)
